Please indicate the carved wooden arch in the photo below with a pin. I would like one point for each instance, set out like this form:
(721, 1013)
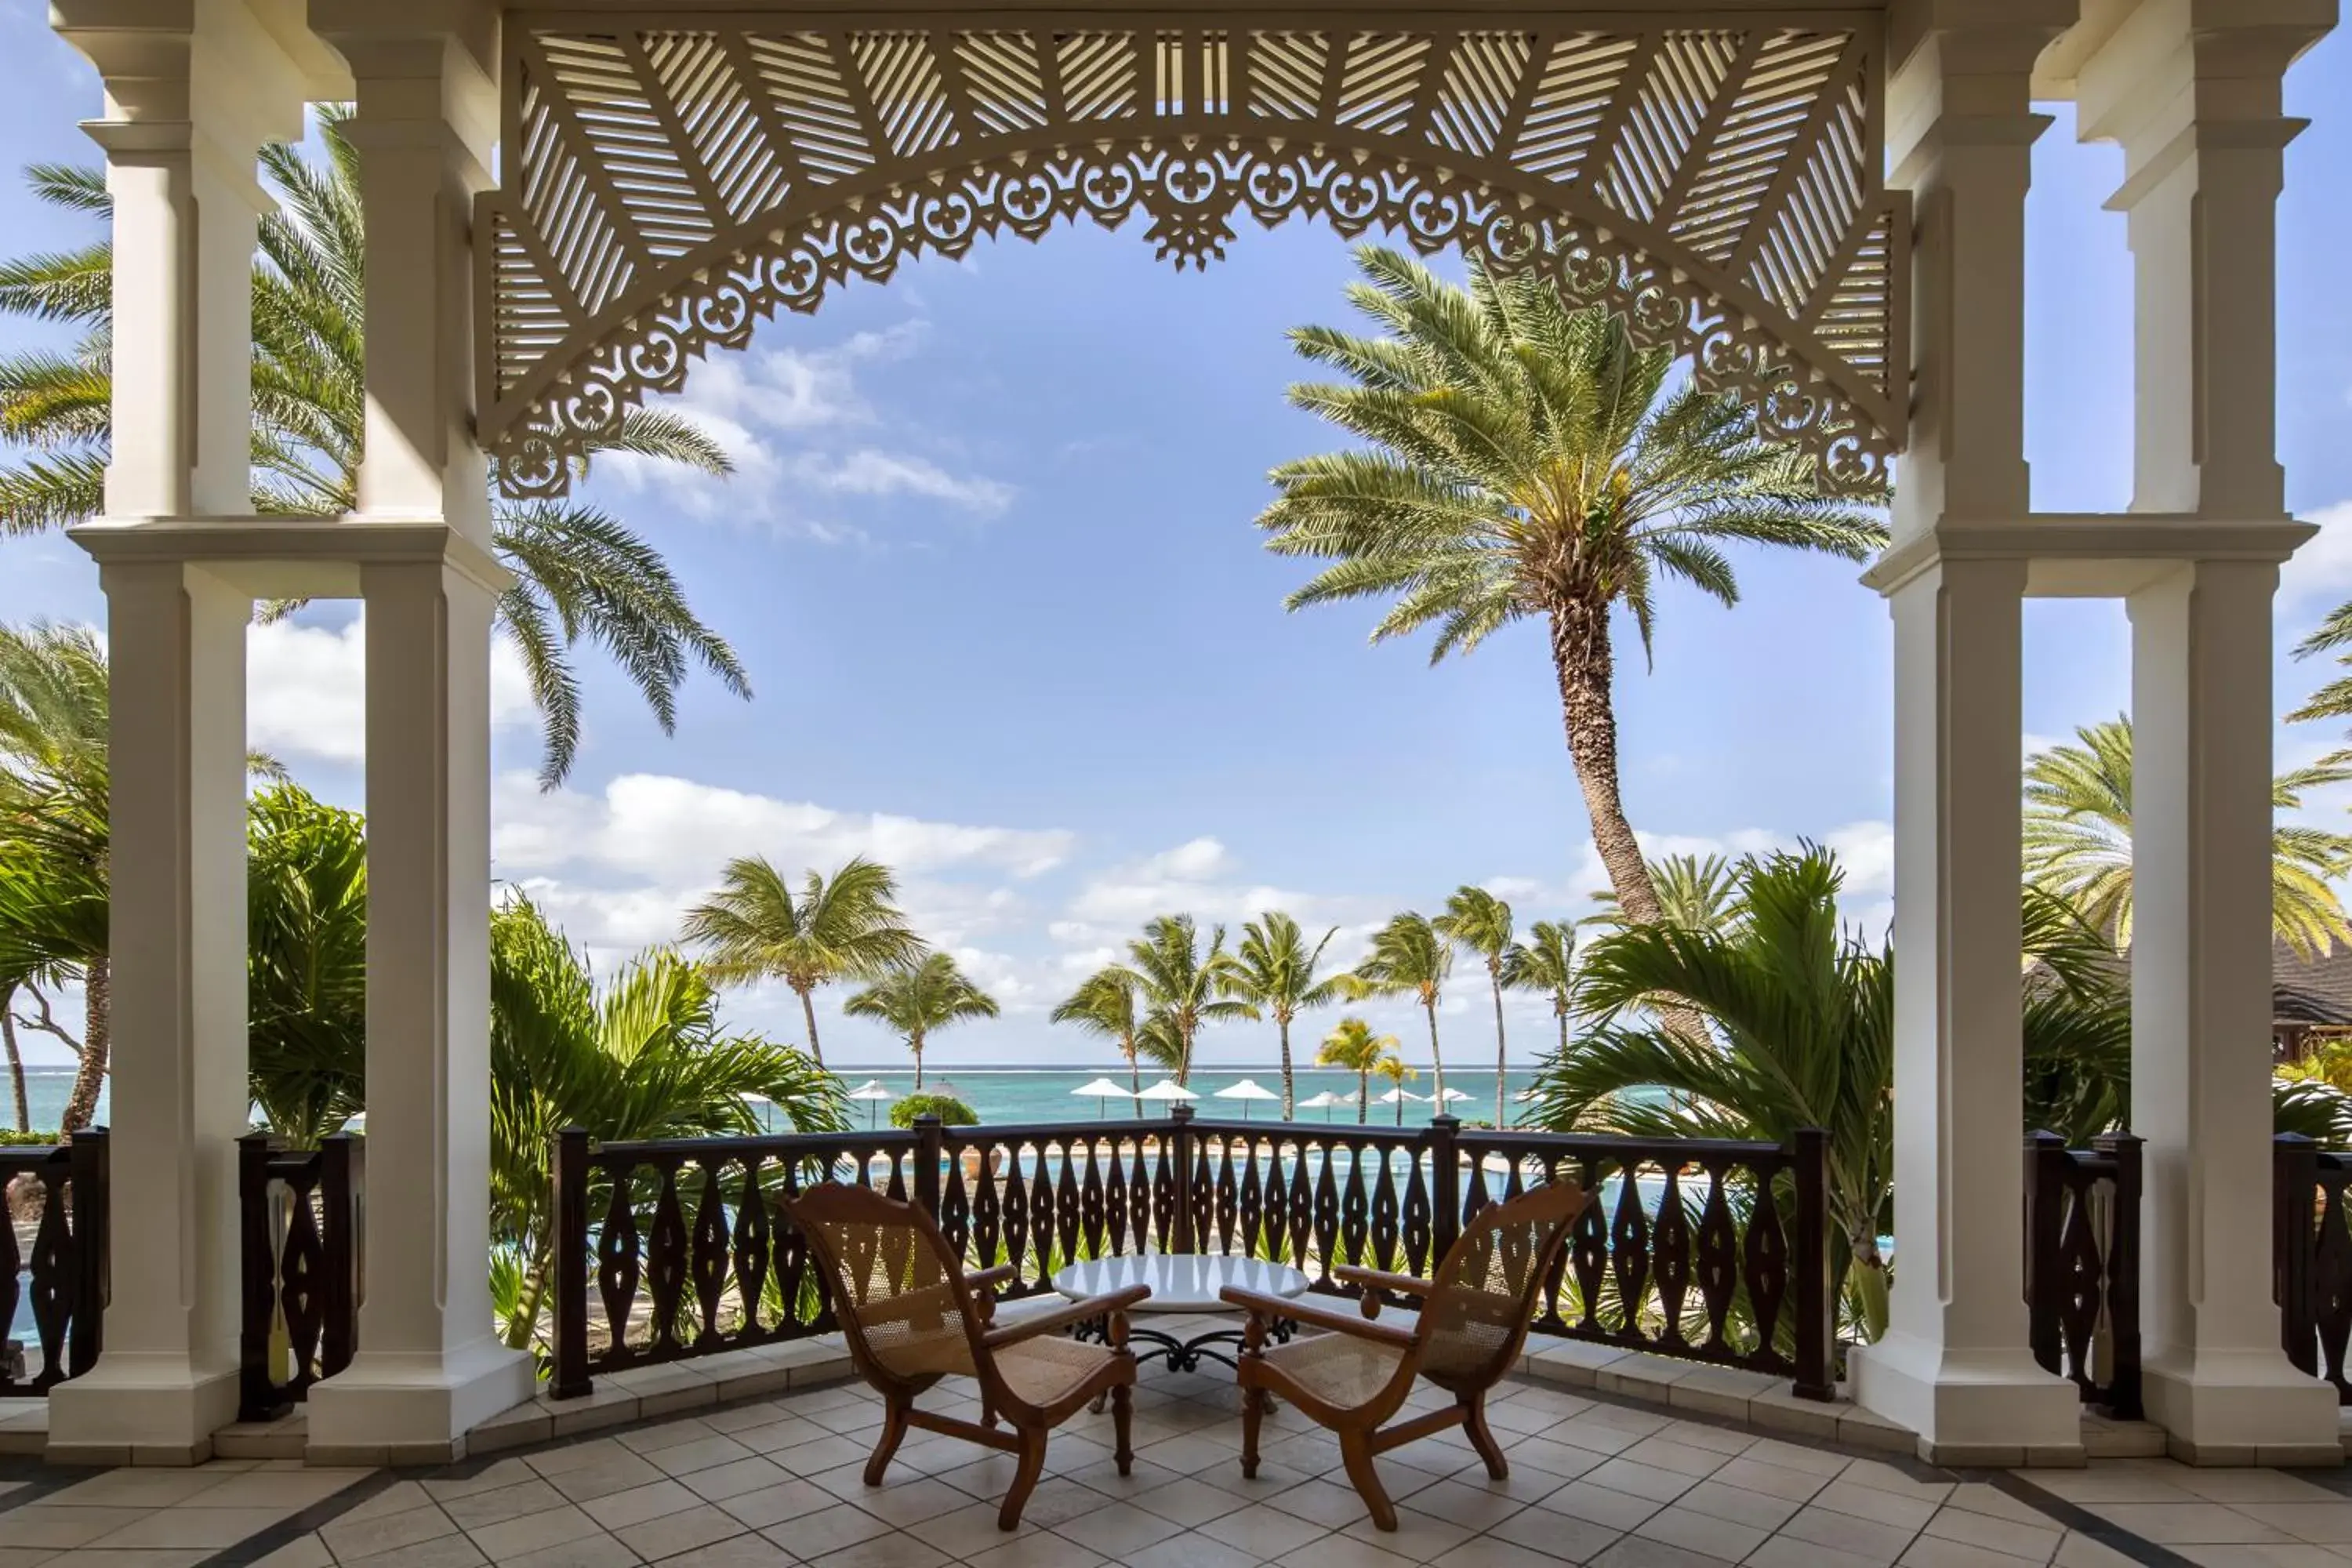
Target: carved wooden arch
(669, 183)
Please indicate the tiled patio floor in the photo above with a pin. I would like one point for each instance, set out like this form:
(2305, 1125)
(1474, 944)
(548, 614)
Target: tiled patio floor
(1594, 1480)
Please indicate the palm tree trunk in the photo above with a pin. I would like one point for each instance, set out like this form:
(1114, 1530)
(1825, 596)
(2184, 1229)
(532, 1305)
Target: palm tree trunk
(1495, 976)
(1135, 1079)
(1284, 1025)
(1437, 1063)
(916, 1044)
(15, 1064)
(1563, 1029)
(808, 1010)
(82, 1103)
(1363, 1097)
(1583, 660)
(1184, 1058)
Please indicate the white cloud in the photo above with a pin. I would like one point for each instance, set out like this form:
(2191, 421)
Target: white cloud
(306, 688)
(871, 472)
(2319, 575)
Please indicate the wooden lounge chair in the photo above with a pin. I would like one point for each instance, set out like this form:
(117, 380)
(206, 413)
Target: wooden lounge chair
(1355, 1376)
(912, 1315)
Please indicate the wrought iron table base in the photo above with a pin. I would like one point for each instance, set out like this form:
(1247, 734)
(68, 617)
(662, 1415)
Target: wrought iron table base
(1181, 1355)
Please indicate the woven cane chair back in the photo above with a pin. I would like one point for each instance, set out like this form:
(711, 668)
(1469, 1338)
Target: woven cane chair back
(894, 1286)
(1484, 1294)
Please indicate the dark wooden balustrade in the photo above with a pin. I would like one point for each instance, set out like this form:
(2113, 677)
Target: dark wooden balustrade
(299, 1214)
(2311, 1257)
(2081, 1265)
(60, 1190)
(1706, 1250)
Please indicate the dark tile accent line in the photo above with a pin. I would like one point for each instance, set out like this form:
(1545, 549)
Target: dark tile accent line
(292, 1528)
(2338, 1481)
(37, 1479)
(2082, 1522)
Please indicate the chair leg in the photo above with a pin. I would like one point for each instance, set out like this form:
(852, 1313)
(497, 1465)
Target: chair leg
(1024, 1479)
(1122, 1423)
(1253, 1411)
(894, 1429)
(1356, 1451)
(1473, 1422)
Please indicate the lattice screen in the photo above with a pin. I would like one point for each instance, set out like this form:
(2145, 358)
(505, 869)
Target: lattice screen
(663, 190)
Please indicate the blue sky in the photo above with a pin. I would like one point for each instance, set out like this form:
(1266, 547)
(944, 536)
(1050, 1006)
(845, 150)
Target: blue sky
(990, 561)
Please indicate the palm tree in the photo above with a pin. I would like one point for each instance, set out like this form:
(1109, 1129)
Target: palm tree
(1545, 963)
(1700, 895)
(644, 1056)
(843, 927)
(1481, 922)
(921, 1000)
(579, 572)
(1393, 1069)
(1274, 973)
(1353, 1046)
(2078, 819)
(1103, 1005)
(306, 923)
(1176, 979)
(1411, 955)
(1524, 459)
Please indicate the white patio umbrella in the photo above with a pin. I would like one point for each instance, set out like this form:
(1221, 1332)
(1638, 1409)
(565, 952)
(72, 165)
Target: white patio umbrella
(1398, 1097)
(874, 1094)
(1448, 1096)
(1167, 1088)
(1102, 1088)
(1322, 1102)
(1245, 1091)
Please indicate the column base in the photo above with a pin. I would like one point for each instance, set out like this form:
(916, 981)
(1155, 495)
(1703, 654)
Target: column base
(140, 1409)
(1969, 1407)
(2240, 1407)
(396, 1409)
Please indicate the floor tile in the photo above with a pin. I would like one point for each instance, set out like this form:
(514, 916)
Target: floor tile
(1117, 1528)
(1752, 1474)
(302, 1551)
(1880, 1544)
(531, 1495)
(513, 1537)
(1845, 1495)
(187, 1528)
(1421, 1537)
(789, 1498)
(2187, 1524)
(1787, 1552)
(2321, 1523)
(1639, 1551)
(1933, 1552)
(2035, 1543)
(1189, 1550)
(1339, 1552)
(828, 1530)
(1703, 1532)
(1042, 1550)
(672, 1533)
(1659, 1486)
(588, 1552)
(1601, 1505)
(884, 1552)
(639, 1504)
(353, 1539)
(59, 1528)
(1473, 1508)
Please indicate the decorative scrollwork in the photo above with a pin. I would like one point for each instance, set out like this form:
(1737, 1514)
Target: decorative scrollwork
(1720, 190)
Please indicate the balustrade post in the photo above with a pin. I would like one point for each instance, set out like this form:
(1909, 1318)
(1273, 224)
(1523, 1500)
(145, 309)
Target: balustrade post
(571, 1380)
(339, 1336)
(1180, 1150)
(2295, 1176)
(2123, 1277)
(930, 1149)
(1445, 1187)
(258, 1396)
(2046, 1163)
(1816, 1306)
(92, 1233)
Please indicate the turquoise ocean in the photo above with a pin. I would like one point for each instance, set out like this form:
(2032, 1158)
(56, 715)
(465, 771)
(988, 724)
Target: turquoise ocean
(1008, 1095)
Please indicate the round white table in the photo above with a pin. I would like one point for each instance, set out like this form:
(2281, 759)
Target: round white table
(1182, 1282)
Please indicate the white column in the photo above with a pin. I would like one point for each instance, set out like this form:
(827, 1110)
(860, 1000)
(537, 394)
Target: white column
(429, 1366)
(2215, 1376)
(1953, 1366)
(2195, 103)
(177, 940)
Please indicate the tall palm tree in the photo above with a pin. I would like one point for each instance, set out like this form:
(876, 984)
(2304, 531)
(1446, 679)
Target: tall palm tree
(580, 573)
(921, 1000)
(1103, 1005)
(1480, 922)
(1392, 1068)
(1353, 1046)
(1410, 956)
(1697, 894)
(1274, 973)
(1545, 963)
(2078, 818)
(1171, 973)
(643, 1056)
(305, 924)
(846, 926)
(1522, 460)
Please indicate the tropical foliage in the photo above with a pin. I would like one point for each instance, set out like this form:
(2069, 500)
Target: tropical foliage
(1545, 963)
(1356, 1048)
(952, 1112)
(1182, 984)
(580, 573)
(642, 1055)
(1104, 1006)
(918, 1001)
(1702, 894)
(1524, 460)
(1410, 956)
(1273, 973)
(2078, 817)
(1477, 920)
(306, 929)
(846, 926)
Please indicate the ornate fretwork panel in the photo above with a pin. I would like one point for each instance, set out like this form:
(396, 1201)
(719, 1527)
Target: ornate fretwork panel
(665, 188)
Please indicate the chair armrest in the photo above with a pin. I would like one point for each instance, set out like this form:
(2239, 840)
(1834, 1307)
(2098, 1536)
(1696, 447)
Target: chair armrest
(990, 1279)
(1092, 1307)
(1271, 1306)
(1377, 1284)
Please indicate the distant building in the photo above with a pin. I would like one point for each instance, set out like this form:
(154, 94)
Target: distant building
(2310, 1002)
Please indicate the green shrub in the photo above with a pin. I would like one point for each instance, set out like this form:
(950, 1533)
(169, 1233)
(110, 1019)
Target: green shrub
(11, 1139)
(946, 1106)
